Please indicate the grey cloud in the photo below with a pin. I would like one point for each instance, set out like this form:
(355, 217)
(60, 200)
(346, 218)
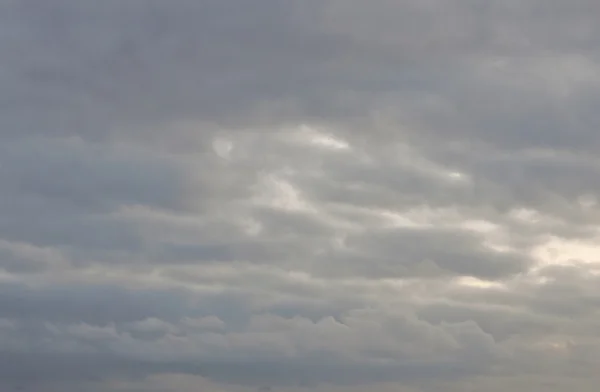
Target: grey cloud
(146, 63)
(244, 361)
(61, 193)
(452, 252)
(303, 195)
(81, 303)
(87, 176)
(129, 54)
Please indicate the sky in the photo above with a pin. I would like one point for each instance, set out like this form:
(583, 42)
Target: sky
(299, 195)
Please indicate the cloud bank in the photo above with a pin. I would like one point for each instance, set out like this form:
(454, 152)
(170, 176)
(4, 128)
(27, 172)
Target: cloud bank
(299, 195)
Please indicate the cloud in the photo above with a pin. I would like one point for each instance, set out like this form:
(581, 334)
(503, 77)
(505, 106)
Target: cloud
(289, 195)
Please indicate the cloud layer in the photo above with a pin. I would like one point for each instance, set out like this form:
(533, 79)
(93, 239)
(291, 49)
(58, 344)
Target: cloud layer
(291, 195)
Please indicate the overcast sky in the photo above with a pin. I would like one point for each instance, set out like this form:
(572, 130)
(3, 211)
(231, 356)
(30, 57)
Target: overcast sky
(299, 195)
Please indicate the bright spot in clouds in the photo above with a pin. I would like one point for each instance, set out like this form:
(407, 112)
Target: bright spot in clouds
(313, 137)
(223, 148)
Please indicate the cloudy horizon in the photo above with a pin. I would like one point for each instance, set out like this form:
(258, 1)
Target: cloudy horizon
(299, 196)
